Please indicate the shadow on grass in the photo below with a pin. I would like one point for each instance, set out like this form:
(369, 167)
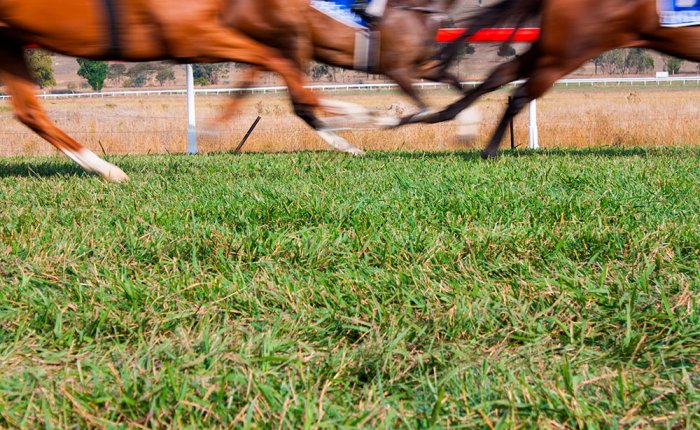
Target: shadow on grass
(51, 168)
(38, 169)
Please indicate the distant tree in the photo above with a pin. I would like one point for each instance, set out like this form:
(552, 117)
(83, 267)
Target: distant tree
(599, 62)
(469, 49)
(319, 70)
(142, 74)
(610, 62)
(41, 65)
(138, 80)
(506, 51)
(142, 68)
(95, 72)
(672, 65)
(209, 74)
(465, 49)
(638, 61)
(116, 72)
(621, 61)
(165, 75)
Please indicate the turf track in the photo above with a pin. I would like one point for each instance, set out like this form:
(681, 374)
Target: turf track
(551, 289)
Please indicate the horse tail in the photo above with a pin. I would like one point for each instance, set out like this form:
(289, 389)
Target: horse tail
(505, 13)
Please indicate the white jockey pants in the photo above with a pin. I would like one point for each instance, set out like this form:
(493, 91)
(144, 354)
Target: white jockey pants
(376, 8)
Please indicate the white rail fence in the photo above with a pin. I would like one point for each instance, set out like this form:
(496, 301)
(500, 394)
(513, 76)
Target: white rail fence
(190, 92)
(605, 82)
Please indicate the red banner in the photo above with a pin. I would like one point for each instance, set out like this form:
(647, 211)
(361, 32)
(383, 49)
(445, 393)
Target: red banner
(521, 35)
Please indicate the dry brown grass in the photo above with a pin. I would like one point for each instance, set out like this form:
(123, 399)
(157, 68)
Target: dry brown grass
(568, 118)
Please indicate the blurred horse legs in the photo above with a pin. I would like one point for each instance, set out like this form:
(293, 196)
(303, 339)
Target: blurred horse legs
(502, 75)
(404, 80)
(547, 71)
(229, 43)
(220, 43)
(234, 103)
(18, 81)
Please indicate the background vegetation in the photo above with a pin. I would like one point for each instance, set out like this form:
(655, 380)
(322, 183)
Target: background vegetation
(41, 65)
(580, 117)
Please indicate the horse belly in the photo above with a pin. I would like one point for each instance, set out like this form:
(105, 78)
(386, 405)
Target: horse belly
(54, 25)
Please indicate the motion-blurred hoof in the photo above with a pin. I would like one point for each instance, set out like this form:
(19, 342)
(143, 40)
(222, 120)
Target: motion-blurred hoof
(356, 152)
(116, 175)
(338, 142)
(487, 155)
(92, 163)
(387, 122)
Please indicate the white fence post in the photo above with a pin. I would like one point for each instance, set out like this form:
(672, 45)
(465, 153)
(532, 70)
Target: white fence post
(534, 138)
(191, 114)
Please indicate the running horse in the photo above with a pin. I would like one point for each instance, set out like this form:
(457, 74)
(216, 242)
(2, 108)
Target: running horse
(145, 30)
(401, 55)
(572, 33)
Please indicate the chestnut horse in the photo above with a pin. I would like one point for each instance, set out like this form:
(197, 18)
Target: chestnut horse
(146, 30)
(572, 33)
(403, 56)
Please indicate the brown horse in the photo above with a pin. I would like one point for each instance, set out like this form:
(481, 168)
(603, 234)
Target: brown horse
(403, 56)
(145, 30)
(573, 32)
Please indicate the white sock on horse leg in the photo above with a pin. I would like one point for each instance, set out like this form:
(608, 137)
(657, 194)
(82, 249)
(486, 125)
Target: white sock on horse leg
(92, 163)
(339, 143)
(343, 108)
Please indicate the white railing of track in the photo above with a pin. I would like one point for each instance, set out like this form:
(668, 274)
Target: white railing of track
(651, 81)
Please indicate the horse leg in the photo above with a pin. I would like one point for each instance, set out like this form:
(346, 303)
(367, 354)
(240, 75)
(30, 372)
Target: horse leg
(504, 74)
(219, 43)
(405, 81)
(228, 44)
(452, 80)
(19, 84)
(442, 76)
(552, 68)
(235, 101)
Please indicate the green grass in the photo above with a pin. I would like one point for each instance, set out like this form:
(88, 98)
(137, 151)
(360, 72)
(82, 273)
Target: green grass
(554, 290)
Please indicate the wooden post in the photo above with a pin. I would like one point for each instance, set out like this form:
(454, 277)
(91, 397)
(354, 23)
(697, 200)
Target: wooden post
(247, 135)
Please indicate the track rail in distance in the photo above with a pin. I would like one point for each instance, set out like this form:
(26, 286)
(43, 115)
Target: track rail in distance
(688, 80)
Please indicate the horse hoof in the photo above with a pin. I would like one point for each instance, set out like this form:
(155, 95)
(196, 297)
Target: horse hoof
(387, 122)
(356, 152)
(115, 174)
(338, 143)
(92, 163)
(488, 155)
